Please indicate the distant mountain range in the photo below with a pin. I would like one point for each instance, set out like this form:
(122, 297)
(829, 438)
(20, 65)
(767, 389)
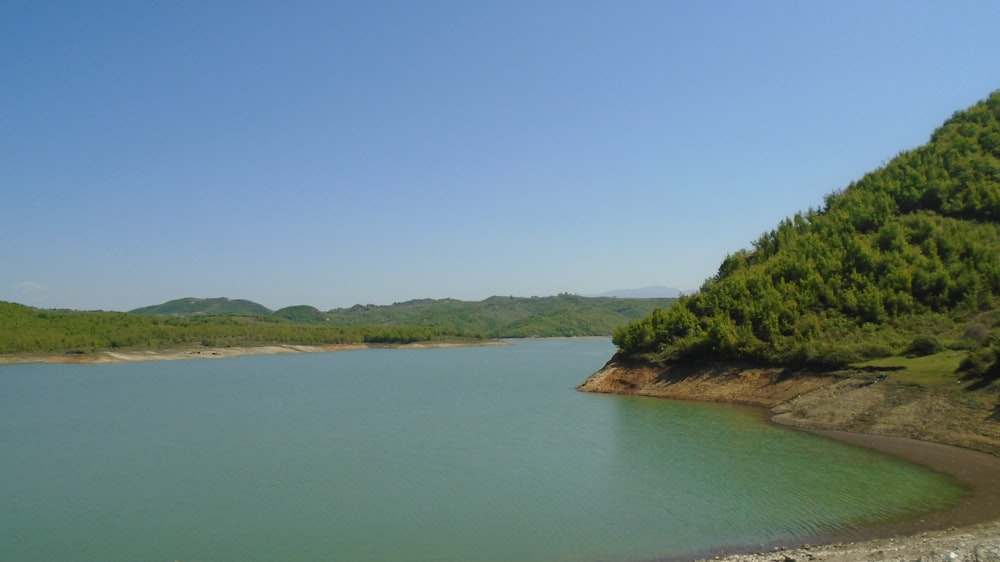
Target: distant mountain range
(652, 292)
(561, 315)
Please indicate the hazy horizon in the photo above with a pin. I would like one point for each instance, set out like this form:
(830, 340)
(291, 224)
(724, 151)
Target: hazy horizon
(334, 154)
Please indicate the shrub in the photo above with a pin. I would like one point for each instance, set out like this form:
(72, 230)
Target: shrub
(976, 333)
(975, 365)
(923, 345)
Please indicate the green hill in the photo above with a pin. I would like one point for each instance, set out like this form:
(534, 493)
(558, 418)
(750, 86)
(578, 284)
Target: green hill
(905, 260)
(214, 307)
(302, 314)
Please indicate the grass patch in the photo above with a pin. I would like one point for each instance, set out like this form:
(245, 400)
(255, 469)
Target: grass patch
(930, 370)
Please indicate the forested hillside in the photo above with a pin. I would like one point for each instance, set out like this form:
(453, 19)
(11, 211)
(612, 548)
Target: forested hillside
(213, 307)
(904, 260)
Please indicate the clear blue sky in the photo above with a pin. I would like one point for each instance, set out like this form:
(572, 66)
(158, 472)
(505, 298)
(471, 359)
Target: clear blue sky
(335, 153)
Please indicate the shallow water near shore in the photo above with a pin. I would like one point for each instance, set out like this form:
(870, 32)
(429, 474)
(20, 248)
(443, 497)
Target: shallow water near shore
(484, 453)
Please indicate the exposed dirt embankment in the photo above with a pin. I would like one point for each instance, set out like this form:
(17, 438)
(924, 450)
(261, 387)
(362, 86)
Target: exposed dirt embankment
(859, 402)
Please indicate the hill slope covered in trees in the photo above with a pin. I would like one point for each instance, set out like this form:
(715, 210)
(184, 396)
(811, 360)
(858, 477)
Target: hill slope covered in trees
(904, 260)
(190, 306)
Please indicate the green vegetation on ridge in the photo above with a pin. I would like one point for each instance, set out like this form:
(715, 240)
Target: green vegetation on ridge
(214, 307)
(908, 257)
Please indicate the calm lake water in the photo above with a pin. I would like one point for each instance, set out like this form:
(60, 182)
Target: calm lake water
(483, 453)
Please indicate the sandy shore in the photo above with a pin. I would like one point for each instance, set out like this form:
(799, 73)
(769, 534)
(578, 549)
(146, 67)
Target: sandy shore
(127, 356)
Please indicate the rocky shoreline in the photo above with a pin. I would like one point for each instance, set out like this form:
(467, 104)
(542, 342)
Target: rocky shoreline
(947, 429)
(978, 543)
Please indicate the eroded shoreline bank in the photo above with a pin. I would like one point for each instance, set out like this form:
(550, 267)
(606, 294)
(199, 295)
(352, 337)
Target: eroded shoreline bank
(958, 437)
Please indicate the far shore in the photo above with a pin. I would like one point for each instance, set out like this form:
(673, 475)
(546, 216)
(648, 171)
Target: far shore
(139, 355)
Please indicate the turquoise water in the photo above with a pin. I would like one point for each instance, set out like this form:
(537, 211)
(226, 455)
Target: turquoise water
(484, 453)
